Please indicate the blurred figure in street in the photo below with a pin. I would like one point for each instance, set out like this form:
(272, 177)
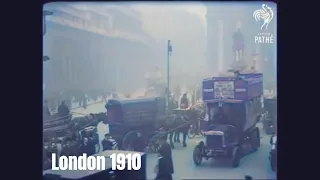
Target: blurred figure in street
(46, 110)
(164, 168)
(84, 101)
(63, 109)
(108, 143)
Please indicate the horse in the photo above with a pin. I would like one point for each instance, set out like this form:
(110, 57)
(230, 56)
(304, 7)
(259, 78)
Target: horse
(173, 125)
(82, 122)
(182, 123)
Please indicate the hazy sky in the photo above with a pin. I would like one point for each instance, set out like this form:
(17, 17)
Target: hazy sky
(146, 8)
(192, 7)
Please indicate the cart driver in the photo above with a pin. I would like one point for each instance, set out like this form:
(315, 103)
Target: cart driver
(184, 101)
(218, 116)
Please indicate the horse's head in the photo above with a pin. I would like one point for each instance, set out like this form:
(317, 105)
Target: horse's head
(92, 117)
(100, 116)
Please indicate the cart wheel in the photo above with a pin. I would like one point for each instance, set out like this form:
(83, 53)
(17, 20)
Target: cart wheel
(197, 155)
(236, 157)
(153, 144)
(191, 133)
(128, 140)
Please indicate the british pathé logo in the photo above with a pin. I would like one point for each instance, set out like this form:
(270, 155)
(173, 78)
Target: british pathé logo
(265, 16)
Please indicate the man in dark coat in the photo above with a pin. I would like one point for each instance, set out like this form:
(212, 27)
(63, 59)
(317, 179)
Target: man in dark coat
(165, 164)
(139, 144)
(106, 143)
(63, 109)
(84, 148)
(91, 146)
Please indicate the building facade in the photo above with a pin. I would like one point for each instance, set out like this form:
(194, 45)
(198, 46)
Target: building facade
(89, 51)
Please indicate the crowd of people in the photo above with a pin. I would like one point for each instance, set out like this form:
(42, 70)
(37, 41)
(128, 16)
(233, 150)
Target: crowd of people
(69, 97)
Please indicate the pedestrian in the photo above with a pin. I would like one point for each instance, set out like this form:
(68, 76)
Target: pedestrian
(106, 143)
(63, 109)
(184, 102)
(164, 168)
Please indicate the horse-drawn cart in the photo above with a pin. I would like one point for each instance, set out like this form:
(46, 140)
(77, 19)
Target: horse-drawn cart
(132, 123)
(234, 104)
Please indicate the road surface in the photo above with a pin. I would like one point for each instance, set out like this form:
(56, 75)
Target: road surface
(256, 164)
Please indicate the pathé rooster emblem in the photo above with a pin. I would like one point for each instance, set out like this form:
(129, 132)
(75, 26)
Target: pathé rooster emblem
(265, 14)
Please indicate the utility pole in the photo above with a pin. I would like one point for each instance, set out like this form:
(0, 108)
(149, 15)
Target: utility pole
(169, 51)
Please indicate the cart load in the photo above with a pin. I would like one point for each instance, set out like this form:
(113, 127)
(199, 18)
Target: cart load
(134, 119)
(135, 112)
